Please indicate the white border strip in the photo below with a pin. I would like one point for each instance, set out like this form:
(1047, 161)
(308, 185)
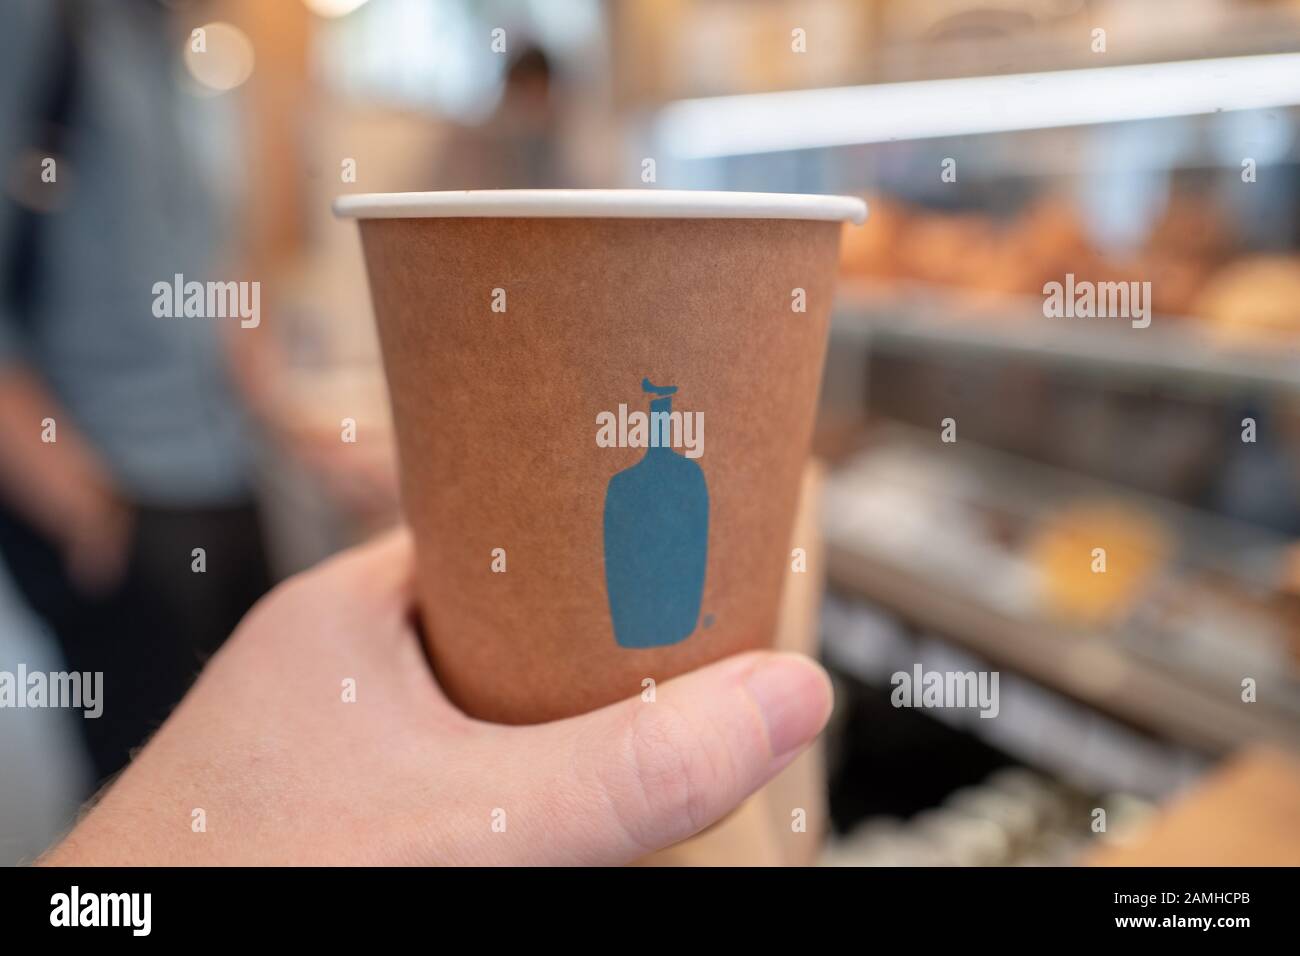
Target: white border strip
(601, 204)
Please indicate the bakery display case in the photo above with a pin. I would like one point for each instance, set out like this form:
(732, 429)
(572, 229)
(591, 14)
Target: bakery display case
(1061, 410)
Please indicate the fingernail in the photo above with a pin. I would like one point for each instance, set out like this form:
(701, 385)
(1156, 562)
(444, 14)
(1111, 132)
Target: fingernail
(794, 696)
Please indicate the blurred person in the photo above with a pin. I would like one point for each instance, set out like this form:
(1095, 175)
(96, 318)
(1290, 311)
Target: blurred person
(150, 457)
(518, 146)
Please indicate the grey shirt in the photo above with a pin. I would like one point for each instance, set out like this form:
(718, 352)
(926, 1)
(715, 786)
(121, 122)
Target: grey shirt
(150, 394)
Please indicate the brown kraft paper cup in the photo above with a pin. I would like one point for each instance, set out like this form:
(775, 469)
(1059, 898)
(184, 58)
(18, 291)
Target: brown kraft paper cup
(509, 345)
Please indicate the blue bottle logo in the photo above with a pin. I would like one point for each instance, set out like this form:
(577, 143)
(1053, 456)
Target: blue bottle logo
(656, 538)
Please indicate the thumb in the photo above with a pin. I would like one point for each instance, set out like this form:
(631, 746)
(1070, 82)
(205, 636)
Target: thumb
(641, 775)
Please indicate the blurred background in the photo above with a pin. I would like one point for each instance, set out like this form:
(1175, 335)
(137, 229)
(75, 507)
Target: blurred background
(1160, 147)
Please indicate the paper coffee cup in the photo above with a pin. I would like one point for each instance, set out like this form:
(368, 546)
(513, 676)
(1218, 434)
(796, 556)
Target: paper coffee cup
(603, 403)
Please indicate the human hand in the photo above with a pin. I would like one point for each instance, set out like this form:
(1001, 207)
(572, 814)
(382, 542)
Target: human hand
(302, 413)
(286, 772)
(359, 477)
(95, 538)
(61, 486)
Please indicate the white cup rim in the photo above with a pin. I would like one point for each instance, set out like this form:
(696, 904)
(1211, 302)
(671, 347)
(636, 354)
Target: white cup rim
(600, 204)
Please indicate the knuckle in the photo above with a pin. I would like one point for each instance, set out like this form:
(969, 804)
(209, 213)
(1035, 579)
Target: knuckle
(669, 776)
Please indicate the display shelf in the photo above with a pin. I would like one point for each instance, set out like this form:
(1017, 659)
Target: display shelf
(1245, 32)
(1092, 670)
(981, 602)
(1173, 351)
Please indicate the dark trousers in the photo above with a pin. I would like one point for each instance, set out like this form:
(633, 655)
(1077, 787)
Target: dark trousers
(151, 634)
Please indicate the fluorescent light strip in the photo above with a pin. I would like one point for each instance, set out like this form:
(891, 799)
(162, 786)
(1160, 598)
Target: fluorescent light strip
(850, 115)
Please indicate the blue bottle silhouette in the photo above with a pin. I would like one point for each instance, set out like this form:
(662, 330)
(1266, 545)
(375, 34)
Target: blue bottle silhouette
(656, 542)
